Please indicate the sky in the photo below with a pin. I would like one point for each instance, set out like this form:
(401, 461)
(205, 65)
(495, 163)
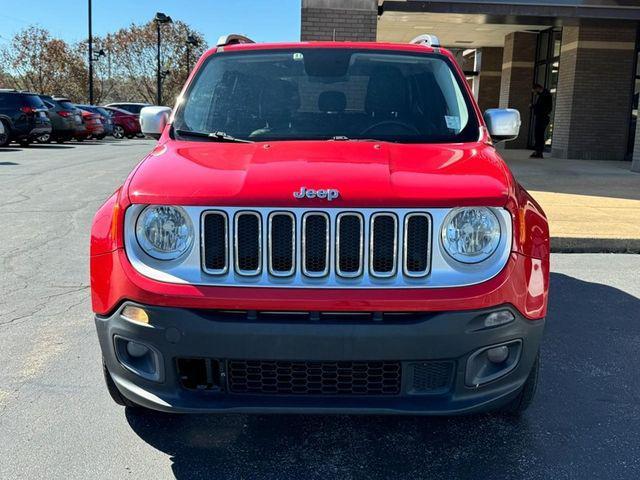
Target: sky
(262, 20)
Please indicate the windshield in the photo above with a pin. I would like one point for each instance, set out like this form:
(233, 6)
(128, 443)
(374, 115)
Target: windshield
(332, 93)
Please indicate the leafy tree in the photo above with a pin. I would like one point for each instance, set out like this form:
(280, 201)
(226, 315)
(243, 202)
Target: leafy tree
(40, 63)
(36, 61)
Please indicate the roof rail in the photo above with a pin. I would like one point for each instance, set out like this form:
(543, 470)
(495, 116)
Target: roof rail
(232, 39)
(426, 40)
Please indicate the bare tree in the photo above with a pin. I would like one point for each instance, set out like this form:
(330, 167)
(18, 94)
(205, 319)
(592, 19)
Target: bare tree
(133, 51)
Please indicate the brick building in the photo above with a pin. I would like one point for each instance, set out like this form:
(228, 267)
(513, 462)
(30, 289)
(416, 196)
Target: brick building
(586, 52)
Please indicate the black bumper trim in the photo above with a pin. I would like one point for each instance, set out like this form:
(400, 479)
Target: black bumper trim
(446, 336)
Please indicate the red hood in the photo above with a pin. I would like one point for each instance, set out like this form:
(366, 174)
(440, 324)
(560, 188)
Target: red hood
(365, 173)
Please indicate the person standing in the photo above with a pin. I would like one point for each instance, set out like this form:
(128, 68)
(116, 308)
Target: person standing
(542, 106)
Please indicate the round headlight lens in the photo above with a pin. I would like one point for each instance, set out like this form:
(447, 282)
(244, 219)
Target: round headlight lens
(471, 235)
(164, 232)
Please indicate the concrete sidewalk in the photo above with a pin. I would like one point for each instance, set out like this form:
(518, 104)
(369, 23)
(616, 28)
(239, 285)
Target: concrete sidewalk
(593, 206)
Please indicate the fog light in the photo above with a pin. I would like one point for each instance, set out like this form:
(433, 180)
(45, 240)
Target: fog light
(498, 318)
(142, 359)
(135, 314)
(137, 350)
(498, 354)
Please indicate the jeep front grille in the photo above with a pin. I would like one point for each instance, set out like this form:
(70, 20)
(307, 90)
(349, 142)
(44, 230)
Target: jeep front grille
(317, 248)
(344, 246)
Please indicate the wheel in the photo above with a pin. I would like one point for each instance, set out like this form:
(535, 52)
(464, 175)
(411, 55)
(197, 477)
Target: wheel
(24, 143)
(60, 140)
(518, 405)
(44, 138)
(4, 137)
(118, 132)
(80, 139)
(130, 136)
(114, 392)
(100, 137)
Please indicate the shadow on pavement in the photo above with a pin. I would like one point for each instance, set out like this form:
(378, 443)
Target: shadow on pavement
(584, 422)
(39, 146)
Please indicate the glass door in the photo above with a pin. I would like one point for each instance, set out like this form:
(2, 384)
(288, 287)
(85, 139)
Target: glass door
(634, 102)
(547, 67)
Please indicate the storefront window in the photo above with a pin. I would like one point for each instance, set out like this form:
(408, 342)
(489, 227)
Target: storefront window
(634, 104)
(546, 71)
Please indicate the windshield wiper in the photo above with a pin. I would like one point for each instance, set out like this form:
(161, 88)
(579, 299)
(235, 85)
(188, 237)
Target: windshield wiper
(217, 136)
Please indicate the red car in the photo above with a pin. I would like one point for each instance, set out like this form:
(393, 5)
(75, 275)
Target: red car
(125, 124)
(92, 126)
(322, 227)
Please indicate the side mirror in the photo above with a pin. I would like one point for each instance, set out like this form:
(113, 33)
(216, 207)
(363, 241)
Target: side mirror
(503, 123)
(153, 120)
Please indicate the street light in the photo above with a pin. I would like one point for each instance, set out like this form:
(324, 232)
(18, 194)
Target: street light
(90, 57)
(191, 41)
(101, 53)
(160, 18)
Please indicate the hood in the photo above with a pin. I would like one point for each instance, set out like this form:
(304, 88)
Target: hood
(366, 174)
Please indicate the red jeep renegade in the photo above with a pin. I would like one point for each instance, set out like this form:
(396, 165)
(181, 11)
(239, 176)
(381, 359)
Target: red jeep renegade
(322, 227)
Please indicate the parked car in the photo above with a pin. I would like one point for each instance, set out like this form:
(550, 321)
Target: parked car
(23, 115)
(125, 124)
(322, 227)
(80, 131)
(92, 122)
(63, 122)
(105, 118)
(129, 107)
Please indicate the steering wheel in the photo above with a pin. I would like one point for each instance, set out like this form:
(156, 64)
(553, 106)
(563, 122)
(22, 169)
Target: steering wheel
(400, 123)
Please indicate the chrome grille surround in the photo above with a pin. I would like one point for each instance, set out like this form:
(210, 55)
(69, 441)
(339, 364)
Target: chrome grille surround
(380, 273)
(305, 270)
(236, 244)
(273, 271)
(405, 253)
(343, 273)
(442, 270)
(203, 218)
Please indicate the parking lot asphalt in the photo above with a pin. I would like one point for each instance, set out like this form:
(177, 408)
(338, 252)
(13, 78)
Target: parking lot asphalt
(57, 421)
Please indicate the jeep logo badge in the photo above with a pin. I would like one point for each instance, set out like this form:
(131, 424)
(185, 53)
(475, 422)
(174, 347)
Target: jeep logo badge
(328, 193)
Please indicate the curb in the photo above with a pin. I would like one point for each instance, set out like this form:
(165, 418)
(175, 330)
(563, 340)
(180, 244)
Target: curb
(594, 245)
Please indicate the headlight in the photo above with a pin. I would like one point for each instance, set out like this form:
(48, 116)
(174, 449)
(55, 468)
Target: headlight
(470, 235)
(164, 232)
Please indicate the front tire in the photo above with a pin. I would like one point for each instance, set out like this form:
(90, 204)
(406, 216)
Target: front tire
(24, 143)
(44, 138)
(4, 137)
(115, 394)
(519, 405)
(118, 132)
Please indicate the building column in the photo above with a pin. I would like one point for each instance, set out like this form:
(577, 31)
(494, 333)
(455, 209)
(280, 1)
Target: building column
(635, 165)
(594, 90)
(339, 20)
(489, 66)
(517, 77)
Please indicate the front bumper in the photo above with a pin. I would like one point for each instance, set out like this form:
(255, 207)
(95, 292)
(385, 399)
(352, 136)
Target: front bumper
(175, 333)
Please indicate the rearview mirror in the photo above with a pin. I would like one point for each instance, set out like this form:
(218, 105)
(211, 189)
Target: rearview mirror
(153, 120)
(503, 123)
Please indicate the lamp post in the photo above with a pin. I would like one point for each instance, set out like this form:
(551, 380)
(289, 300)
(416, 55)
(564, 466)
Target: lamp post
(191, 41)
(90, 58)
(160, 18)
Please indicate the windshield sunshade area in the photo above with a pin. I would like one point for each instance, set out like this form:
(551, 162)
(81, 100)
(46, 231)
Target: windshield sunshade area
(328, 93)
